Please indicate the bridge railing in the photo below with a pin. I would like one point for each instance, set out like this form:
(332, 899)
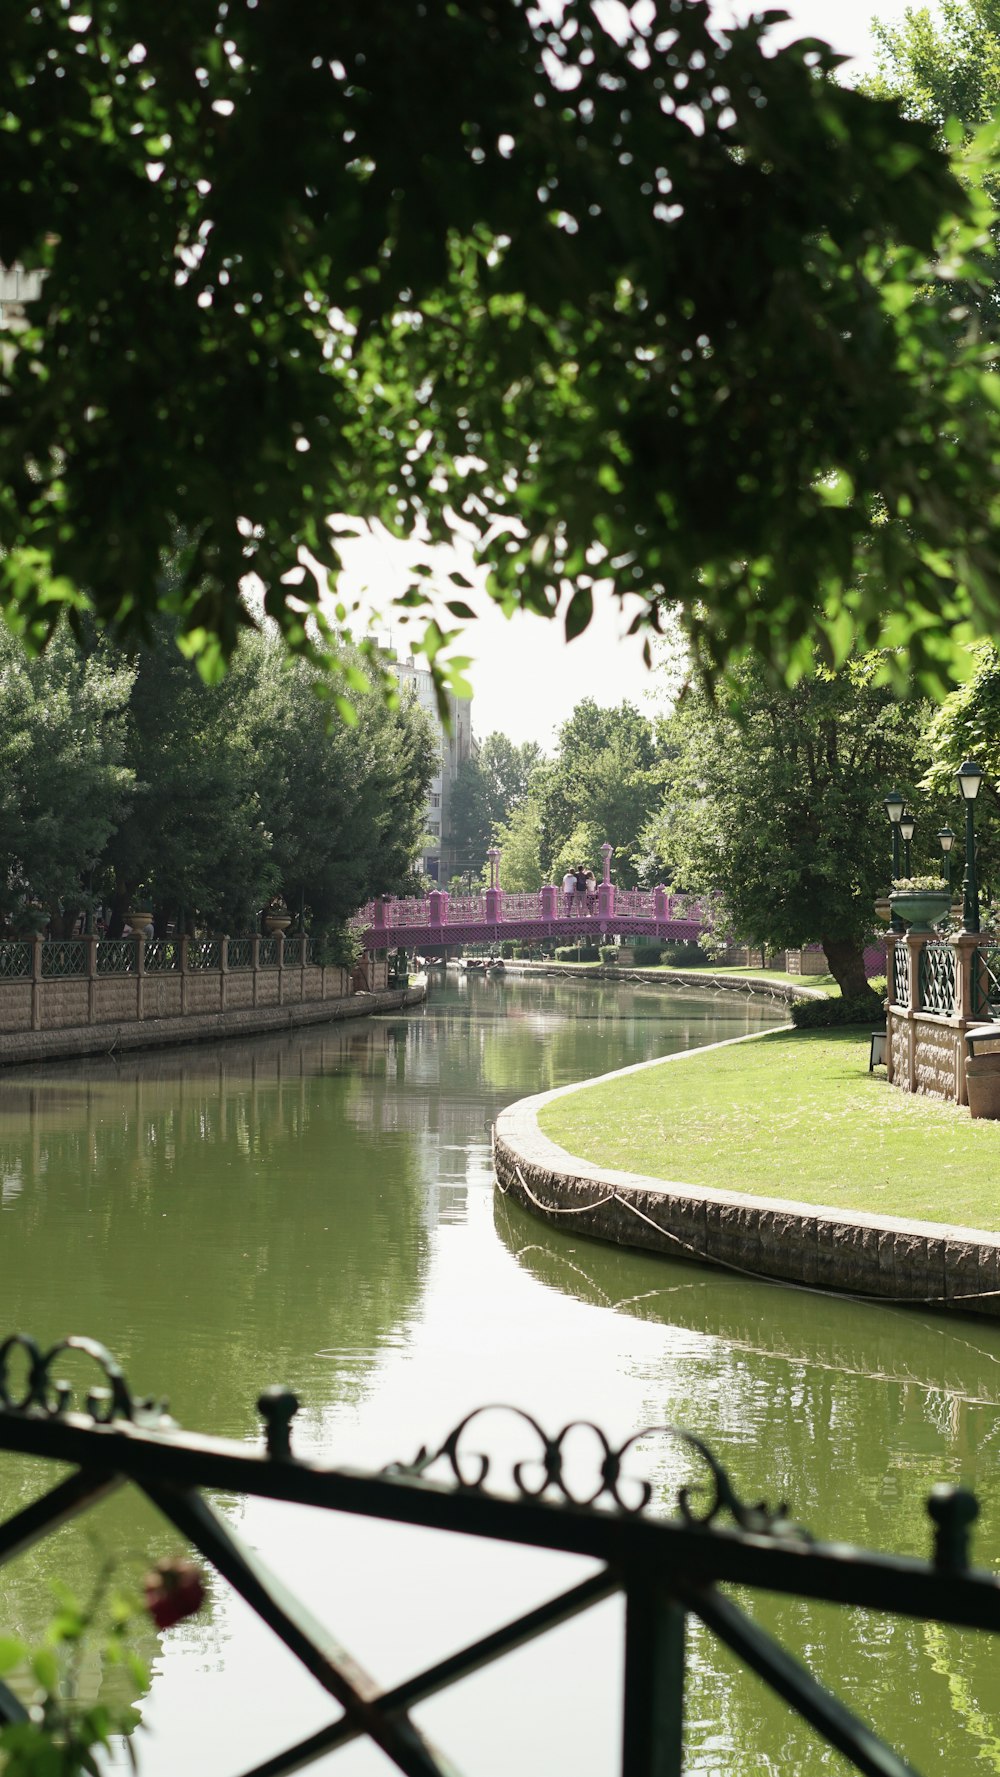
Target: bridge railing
(497, 906)
(571, 1491)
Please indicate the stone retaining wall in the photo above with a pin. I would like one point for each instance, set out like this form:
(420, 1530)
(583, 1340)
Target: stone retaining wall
(887, 1258)
(18, 1047)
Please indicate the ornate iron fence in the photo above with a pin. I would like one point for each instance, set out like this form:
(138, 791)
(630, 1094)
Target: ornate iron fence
(669, 1569)
(115, 956)
(938, 980)
(63, 957)
(204, 953)
(239, 953)
(15, 960)
(267, 954)
(899, 966)
(161, 954)
(986, 980)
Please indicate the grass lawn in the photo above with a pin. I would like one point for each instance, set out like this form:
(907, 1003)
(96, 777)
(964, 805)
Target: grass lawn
(794, 1114)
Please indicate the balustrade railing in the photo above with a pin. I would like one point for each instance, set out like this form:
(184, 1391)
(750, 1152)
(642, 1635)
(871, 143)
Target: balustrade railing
(204, 953)
(986, 986)
(556, 1493)
(115, 956)
(938, 979)
(239, 953)
(161, 954)
(16, 960)
(267, 953)
(520, 905)
(899, 966)
(62, 957)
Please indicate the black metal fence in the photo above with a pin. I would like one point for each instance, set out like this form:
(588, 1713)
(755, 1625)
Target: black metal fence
(670, 1570)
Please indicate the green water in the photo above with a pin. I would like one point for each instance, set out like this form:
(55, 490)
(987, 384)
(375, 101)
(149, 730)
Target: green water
(318, 1209)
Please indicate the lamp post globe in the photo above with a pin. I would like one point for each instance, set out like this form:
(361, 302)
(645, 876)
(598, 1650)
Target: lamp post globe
(946, 840)
(906, 826)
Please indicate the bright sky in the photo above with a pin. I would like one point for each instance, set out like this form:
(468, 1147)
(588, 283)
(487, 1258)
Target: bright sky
(526, 679)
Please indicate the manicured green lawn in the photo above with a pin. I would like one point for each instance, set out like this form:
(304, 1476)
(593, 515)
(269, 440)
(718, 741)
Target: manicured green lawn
(793, 1114)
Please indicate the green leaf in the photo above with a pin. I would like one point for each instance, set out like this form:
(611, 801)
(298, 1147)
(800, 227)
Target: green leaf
(13, 1652)
(579, 612)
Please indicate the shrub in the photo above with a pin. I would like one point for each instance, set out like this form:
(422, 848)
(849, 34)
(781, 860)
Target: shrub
(609, 955)
(685, 956)
(582, 953)
(814, 1014)
(647, 956)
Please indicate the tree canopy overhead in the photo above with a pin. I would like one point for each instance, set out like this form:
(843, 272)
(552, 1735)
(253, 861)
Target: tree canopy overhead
(631, 300)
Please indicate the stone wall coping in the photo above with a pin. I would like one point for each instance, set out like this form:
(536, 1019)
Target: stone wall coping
(517, 1125)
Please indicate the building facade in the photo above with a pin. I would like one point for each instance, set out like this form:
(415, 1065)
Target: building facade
(438, 859)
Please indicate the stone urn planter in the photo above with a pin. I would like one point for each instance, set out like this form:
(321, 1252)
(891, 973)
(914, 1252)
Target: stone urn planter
(921, 909)
(276, 922)
(140, 918)
(982, 1081)
(883, 911)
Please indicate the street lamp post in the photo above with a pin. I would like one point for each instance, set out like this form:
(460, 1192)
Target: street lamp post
(894, 809)
(906, 827)
(969, 779)
(946, 840)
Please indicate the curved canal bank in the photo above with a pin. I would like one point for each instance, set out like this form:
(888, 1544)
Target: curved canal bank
(774, 1239)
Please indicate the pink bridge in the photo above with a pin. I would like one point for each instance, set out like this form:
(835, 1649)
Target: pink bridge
(491, 915)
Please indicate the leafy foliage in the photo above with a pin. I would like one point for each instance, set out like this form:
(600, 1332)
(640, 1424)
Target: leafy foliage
(778, 806)
(61, 1735)
(65, 779)
(639, 305)
(603, 784)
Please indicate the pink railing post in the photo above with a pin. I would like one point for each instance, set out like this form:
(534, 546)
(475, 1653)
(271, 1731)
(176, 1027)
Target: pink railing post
(494, 906)
(661, 902)
(438, 899)
(378, 913)
(548, 898)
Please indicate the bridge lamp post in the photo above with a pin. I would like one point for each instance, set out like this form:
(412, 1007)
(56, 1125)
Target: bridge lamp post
(894, 809)
(969, 779)
(946, 840)
(906, 827)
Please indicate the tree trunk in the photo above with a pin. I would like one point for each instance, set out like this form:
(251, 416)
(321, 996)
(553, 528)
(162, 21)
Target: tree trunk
(847, 966)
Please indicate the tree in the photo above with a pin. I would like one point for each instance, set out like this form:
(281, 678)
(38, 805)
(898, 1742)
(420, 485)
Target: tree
(65, 779)
(193, 836)
(489, 788)
(967, 726)
(778, 805)
(343, 804)
(520, 851)
(602, 785)
(944, 68)
(634, 302)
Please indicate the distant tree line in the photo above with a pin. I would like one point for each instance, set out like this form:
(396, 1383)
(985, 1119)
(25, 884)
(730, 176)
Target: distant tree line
(126, 777)
(550, 815)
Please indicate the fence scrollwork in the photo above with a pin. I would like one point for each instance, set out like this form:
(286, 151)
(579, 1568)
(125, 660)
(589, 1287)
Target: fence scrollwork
(699, 1503)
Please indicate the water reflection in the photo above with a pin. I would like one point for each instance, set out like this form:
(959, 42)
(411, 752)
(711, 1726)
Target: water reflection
(317, 1208)
(850, 1412)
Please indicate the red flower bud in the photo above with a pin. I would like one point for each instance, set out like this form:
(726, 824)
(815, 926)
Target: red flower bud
(174, 1589)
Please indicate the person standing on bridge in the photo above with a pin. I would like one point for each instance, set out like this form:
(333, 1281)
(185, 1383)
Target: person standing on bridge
(581, 891)
(591, 891)
(569, 890)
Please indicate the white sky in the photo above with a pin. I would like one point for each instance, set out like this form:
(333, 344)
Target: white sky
(526, 679)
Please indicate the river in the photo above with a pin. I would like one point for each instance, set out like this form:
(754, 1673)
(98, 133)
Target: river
(317, 1209)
